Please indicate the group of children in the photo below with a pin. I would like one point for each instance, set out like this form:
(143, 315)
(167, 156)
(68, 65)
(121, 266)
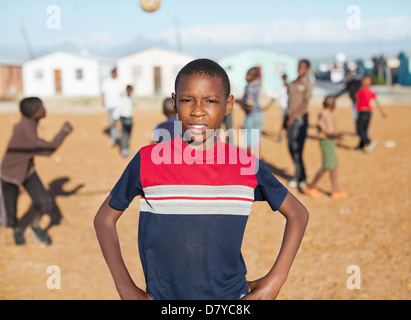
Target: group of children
(193, 214)
(293, 98)
(363, 98)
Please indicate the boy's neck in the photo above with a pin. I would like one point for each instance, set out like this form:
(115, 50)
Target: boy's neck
(36, 121)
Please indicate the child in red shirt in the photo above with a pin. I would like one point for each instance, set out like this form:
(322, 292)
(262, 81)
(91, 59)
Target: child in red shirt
(364, 97)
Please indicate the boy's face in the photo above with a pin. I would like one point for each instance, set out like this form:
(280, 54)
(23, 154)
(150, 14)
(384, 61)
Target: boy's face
(251, 75)
(201, 105)
(367, 81)
(330, 102)
(303, 69)
(40, 112)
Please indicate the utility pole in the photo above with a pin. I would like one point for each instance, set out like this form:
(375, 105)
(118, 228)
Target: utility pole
(178, 37)
(26, 40)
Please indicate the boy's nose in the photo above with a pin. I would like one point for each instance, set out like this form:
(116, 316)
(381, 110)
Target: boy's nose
(198, 110)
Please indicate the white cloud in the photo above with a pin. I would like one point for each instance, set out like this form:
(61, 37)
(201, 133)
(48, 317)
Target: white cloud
(289, 31)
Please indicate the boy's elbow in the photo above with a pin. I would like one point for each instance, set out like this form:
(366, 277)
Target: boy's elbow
(97, 221)
(303, 215)
(106, 216)
(306, 215)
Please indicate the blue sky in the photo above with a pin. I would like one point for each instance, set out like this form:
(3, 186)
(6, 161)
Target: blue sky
(219, 22)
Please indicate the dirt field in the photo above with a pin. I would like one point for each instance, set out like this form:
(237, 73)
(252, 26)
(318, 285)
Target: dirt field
(370, 229)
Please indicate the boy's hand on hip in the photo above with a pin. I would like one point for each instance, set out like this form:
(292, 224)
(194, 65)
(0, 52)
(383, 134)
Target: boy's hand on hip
(263, 289)
(133, 293)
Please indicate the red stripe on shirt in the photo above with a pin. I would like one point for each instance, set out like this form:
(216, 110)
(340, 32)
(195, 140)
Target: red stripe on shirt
(200, 198)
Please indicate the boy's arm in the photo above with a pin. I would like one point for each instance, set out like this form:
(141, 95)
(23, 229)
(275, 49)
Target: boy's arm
(268, 287)
(245, 107)
(303, 106)
(327, 127)
(46, 148)
(106, 231)
(342, 91)
(377, 103)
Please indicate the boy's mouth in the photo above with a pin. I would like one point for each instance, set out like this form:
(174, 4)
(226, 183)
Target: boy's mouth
(197, 128)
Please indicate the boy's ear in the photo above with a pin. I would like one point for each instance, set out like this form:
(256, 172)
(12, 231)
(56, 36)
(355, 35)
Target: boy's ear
(174, 100)
(230, 104)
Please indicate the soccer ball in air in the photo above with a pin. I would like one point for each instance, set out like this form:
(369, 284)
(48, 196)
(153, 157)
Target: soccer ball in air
(150, 5)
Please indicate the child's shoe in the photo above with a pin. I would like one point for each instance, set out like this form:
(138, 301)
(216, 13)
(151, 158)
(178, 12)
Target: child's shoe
(371, 146)
(338, 195)
(19, 238)
(312, 192)
(41, 235)
(293, 183)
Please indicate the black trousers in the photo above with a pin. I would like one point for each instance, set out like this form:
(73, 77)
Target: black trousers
(296, 135)
(126, 125)
(10, 192)
(364, 118)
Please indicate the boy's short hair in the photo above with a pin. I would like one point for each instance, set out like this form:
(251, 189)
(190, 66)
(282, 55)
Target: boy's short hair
(325, 104)
(207, 67)
(255, 70)
(28, 106)
(307, 63)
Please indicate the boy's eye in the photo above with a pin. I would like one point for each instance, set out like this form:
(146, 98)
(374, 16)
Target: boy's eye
(186, 100)
(211, 101)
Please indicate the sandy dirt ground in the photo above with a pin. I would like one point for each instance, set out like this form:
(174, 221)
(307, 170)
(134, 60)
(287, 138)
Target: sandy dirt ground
(369, 230)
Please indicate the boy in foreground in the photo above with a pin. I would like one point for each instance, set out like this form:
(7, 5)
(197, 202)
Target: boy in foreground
(196, 195)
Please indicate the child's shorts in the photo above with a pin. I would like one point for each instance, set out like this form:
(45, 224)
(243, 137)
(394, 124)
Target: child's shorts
(329, 153)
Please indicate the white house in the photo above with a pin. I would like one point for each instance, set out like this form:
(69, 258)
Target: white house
(152, 71)
(65, 74)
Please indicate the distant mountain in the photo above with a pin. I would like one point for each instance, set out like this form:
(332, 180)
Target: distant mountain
(310, 50)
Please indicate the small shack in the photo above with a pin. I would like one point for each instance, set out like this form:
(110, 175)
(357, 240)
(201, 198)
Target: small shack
(11, 79)
(65, 74)
(152, 72)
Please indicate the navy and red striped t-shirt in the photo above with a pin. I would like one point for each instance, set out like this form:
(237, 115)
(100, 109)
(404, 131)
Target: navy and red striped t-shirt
(193, 211)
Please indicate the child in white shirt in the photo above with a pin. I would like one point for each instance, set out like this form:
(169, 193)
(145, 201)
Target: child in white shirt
(125, 113)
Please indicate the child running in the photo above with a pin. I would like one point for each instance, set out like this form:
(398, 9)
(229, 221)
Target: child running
(196, 194)
(327, 135)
